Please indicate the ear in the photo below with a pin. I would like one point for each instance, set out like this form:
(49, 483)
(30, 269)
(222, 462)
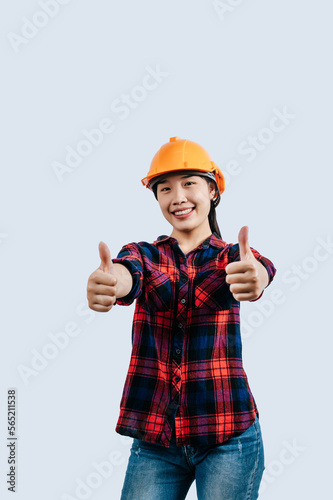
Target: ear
(212, 190)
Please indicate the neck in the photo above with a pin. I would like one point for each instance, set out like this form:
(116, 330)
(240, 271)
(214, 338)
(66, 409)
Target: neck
(192, 238)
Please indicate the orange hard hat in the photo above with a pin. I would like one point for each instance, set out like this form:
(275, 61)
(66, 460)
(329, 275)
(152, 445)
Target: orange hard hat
(182, 154)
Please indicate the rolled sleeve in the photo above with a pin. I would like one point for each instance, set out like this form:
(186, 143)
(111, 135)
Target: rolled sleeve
(130, 257)
(269, 266)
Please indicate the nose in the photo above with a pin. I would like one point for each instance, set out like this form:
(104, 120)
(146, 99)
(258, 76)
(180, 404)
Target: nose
(179, 196)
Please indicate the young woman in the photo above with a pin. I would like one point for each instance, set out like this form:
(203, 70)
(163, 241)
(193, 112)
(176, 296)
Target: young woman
(186, 400)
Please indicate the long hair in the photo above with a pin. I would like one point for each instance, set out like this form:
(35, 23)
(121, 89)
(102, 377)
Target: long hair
(214, 227)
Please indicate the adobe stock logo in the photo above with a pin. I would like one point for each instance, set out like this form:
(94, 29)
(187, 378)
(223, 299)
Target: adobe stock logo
(121, 107)
(249, 148)
(254, 143)
(101, 471)
(289, 453)
(295, 276)
(226, 7)
(57, 343)
(31, 28)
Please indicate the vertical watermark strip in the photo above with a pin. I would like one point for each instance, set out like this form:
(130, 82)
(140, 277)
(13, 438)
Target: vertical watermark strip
(12, 439)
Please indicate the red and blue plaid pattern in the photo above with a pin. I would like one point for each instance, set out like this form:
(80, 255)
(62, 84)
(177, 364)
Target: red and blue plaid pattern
(186, 361)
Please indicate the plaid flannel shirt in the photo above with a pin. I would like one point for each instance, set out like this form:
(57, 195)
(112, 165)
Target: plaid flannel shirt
(186, 362)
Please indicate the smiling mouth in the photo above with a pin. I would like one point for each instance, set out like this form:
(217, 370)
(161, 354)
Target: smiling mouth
(183, 213)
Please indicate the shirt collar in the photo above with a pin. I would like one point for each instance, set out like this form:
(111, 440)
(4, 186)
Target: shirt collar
(212, 240)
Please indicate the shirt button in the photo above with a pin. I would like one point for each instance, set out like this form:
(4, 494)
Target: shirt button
(183, 301)
(180, 325)
(178, 351)
(177, 379)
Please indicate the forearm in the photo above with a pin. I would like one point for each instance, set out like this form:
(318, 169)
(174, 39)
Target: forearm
(124, 280)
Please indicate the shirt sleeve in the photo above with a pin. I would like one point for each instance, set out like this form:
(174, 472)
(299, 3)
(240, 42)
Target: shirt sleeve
(131, 257)
(271, 271)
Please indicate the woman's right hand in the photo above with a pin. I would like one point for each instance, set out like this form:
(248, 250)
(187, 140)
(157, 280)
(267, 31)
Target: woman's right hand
(102, 283)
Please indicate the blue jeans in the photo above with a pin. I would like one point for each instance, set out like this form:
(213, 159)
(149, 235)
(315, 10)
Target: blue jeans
(228, 471)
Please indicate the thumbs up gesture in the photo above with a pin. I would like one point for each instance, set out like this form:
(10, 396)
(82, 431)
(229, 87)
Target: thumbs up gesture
(247, 277)
(101, 288)
(105, 256)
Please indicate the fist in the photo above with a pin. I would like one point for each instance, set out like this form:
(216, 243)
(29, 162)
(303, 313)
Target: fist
(243, 276)
(102, 283)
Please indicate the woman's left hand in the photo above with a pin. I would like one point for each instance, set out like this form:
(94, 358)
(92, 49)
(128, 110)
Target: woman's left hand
(247, 277)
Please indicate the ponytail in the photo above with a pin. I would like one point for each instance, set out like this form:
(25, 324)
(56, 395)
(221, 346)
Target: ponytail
(214, 227)
(212, 220)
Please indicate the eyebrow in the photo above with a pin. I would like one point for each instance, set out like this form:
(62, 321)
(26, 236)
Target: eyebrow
(184, 177)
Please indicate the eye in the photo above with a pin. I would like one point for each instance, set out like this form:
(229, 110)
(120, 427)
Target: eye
(188, 182)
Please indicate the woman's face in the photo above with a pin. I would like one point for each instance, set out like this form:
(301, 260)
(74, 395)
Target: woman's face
(179, 192)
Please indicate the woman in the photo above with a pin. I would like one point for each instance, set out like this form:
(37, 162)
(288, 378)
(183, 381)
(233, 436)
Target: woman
(186, 400)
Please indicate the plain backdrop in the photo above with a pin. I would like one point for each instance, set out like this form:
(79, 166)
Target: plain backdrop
(251, 81)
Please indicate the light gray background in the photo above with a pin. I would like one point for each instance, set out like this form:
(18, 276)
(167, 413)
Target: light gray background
(224, 75)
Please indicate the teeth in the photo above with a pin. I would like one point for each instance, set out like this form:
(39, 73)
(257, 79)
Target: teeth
(183, 212)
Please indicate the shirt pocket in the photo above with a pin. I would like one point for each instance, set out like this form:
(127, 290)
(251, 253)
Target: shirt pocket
(158, 291)
(211, 291)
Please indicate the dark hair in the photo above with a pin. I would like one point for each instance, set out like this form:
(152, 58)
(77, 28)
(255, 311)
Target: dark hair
(213, 204)
(212, 213)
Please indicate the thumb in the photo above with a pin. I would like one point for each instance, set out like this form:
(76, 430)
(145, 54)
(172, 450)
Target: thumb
(105, 255)
(245, 251)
